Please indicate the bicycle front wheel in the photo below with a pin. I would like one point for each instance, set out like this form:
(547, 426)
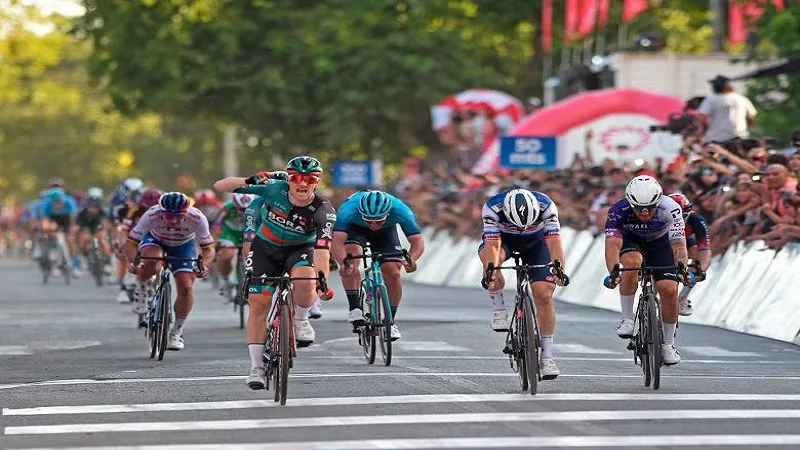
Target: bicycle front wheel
(518, 347)
(382, 306)
(163, 325)
(366, 332)
(655, 339)
(285, 359)
(531, 346)
(643, 340)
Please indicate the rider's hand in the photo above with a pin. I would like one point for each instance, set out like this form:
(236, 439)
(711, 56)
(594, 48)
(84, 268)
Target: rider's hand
(488, 283)
(327, 295)
(257, 178)
(410, 266)
(201, 272)
(348, 267)
(133, 268)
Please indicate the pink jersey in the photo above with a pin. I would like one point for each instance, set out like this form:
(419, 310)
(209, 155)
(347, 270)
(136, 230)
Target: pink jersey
(195, 226)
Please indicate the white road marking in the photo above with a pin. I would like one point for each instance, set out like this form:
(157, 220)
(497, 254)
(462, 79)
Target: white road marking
(9, 350)
(580, 348)
(716, 352)
(430, 346)
(310, 422)
(494, 442)
(399, 399)
(390, 374)
(557, 357)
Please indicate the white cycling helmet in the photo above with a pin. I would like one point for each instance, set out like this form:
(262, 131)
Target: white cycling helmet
(643, 191)
(242, 201)
(94, 192)
(133, 184)
(521, 207)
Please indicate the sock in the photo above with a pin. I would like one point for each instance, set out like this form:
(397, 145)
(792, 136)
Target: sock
(178, 327)
(626, 303)
(352, 299)
(301, 313)
(685, 291)
(547, 346)
(497, 300)
(393, 309)
(256, 355)
(669, 332)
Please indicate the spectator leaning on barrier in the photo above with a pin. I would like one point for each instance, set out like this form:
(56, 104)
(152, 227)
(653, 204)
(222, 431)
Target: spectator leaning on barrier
(725, 115)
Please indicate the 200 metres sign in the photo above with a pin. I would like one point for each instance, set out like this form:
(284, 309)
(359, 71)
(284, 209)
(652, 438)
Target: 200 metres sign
(528, 152)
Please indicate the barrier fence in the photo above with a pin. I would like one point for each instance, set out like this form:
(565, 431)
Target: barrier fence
(749, 289)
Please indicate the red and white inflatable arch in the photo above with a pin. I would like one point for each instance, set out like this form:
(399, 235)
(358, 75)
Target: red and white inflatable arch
(619, 118)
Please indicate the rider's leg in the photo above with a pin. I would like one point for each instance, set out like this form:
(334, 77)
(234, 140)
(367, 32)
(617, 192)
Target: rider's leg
(72, 243)
(83, 240)
(225, 260)
(499, 321)
(394, 284)
(305, 293)
(105, 247)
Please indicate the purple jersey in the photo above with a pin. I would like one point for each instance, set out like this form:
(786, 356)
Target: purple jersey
(667, 220)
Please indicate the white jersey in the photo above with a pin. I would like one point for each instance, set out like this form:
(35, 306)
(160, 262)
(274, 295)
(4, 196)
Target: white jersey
(495, 224)
(195, 226)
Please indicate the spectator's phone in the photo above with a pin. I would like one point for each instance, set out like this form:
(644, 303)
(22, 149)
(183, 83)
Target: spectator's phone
(787, 195)
(756, 177)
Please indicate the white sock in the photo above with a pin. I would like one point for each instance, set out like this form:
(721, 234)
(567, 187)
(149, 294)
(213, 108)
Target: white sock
(626, 304)
(256, 355)
(547, 346)
(178, 327)
(301, 313)
(497, 300)
(685, 291)
(669, 332)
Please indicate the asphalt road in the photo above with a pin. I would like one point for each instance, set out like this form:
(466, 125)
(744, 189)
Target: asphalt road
(74, 372)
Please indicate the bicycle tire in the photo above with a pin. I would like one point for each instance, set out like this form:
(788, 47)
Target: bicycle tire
(66, 269)
(518, 352)
(152, 324)
(285, 360)
(366, 334)
(381, 302)
(655, 340)
(531, 346)
(163, 325)
(241, 294)
(642, 339)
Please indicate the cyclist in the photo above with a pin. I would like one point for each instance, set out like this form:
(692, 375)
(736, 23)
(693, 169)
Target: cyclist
(288, 228)
(116, 210)
(228, 229)
(172, 228)
(91, 221)
(647, 225)
(372, 217)
(149, 198)
(524, 222)
(57, 211)
(698, 244)
(207, 202)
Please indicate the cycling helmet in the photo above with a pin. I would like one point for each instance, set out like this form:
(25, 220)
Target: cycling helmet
(643, 191)
(304, 164)
(133, 184)
(521, 207)
(174, 202)
(56, 182)
(94, 202)
(94, 192)
(278, 175)
(150, 197)
(684, 202)
(242, 201)
(205, 197)
(374, 205)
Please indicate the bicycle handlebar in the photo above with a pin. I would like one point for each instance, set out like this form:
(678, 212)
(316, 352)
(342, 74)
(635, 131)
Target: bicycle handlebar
(378, 256)
(199, 260)
(555, 268)
(320, 278)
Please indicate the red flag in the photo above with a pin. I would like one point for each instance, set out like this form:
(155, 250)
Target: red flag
(547, 25)
(603, 12)
(588, 17)
(742, 15)
(633, 8)
(571, 16)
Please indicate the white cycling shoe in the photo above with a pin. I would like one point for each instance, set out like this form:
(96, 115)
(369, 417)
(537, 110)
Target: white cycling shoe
(395, 333)
(175, 341)
(685, 306)
(625, 328)
(315, 312)
(303, 332)
(257, 379)
(549, 369)
(670, 354)
(500, 320)
(139, 301)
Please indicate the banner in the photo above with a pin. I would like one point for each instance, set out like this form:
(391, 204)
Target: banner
(357, 173)
(528, 152)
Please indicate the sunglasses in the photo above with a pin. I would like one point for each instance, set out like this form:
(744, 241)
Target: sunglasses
(308, 178)
(172, 217)
(374, 221)
(642, 209)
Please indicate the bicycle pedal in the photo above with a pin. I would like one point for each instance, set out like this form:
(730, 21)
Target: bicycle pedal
(631, 345)
(508, 350)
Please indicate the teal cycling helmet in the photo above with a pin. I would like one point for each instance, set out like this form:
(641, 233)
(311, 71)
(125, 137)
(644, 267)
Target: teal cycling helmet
(374, 205)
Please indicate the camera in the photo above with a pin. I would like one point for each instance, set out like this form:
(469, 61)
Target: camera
(678, 123)
(756, 177)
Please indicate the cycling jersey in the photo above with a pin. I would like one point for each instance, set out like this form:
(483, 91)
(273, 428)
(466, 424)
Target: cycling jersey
(497, 226)
(697, 232)
(667, 221)
(274, 219)
(67, 208)
(209, 211)
(230, 220)
(90, 220)
(132, 216)
(348, 216)
(194, 226)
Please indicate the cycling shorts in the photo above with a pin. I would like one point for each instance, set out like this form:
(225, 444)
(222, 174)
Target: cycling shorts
(183, 251)
(267, 260)
(654, 253)
(533, 251)
(385, 240)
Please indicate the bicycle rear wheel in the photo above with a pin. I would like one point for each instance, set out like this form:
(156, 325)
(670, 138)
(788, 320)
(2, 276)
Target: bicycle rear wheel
(163, 325)
(366, 332)
(642, 339)
(654, 343)
(285, 360)
(531, 346)
(152, 321)
(382, 306)
(241, 296)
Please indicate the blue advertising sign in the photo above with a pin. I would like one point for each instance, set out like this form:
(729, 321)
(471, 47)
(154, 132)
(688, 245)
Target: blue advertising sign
(528, 152)
(357, 173)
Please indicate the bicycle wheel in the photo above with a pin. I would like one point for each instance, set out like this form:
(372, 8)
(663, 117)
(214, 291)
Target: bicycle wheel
(66, 269)
(163, 325)
(241, 297)
(382, 306)
(654, 319)
(285, 360)
(152, 322)
(642, 339)
(366, 332)
(531, 346)
(96, 266)
(517, 350)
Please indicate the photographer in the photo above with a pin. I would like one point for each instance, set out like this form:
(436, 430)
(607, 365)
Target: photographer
(725, 115)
